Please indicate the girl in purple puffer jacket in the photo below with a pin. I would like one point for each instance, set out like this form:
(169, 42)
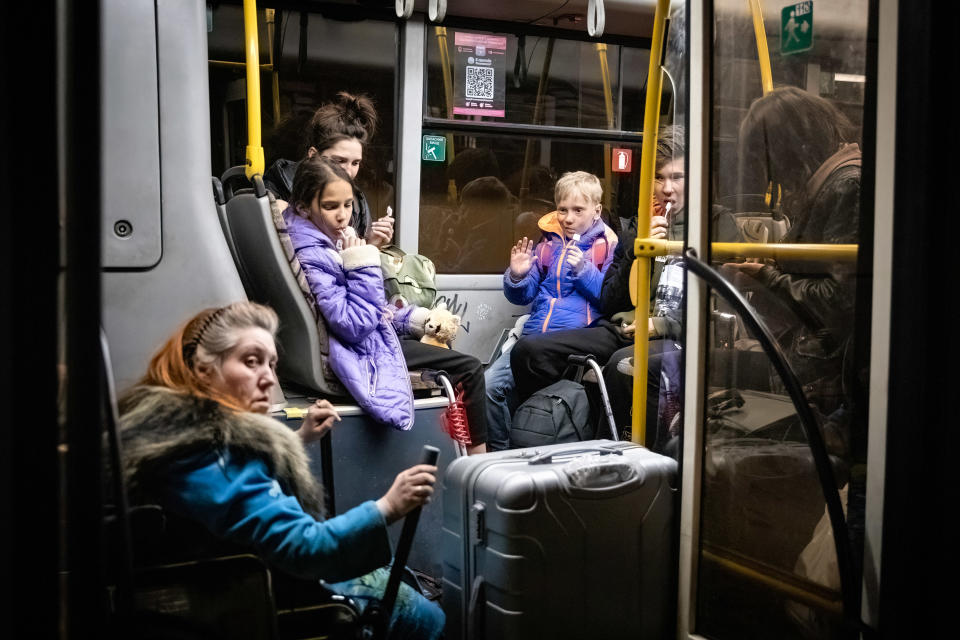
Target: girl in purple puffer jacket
(371, 343)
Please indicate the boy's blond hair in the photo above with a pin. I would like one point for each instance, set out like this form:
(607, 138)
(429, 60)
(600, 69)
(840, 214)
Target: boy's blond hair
(586, 183)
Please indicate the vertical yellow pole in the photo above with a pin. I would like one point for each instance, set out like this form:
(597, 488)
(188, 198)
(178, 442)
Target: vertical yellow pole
(608, 103)
(255, 159)
(763, 53)
(443, 47)
(274, 75)
(651, 122)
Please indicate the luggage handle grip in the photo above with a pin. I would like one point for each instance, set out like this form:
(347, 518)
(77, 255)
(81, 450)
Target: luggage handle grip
(547, 456)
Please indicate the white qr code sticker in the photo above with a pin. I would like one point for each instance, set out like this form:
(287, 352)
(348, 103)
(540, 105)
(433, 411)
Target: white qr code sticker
(479, 83)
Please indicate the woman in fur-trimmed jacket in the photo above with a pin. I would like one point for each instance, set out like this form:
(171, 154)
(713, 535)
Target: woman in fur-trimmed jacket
(197, 441)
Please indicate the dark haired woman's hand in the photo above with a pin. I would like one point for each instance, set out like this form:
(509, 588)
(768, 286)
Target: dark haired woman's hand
(318, 421)
(380, 233)
(411, 488)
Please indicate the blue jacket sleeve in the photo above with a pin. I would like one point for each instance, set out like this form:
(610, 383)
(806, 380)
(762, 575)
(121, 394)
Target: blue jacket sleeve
(244, 504)
(589, 281)
(352, 309)
(524, 291)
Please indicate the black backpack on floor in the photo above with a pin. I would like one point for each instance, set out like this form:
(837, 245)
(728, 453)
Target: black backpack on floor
(558, 413)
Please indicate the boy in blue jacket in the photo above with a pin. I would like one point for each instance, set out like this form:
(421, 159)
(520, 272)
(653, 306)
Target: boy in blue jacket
(560, 278)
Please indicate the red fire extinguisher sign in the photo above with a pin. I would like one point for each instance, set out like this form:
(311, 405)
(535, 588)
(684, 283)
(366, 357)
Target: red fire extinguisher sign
(622, 161)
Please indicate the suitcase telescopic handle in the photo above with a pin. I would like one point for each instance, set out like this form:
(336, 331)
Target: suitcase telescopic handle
(547, 456)
(385, 610)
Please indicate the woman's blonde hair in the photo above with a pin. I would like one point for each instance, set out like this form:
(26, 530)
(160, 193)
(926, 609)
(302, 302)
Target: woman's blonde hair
(205, 339)
(586, 183)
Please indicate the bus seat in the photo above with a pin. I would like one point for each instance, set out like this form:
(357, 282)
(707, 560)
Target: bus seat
(268, 276)
(272, 274)
(761, 227)
(513, 335)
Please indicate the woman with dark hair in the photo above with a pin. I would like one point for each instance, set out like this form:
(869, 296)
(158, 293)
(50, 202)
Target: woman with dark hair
(804, 144)
(197, 441)
(338, 130)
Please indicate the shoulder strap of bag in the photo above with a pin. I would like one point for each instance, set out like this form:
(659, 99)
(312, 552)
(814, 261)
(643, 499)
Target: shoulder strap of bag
(848, 156)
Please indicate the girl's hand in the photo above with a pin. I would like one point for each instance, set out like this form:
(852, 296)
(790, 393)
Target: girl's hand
(348, 238)
(318, 421)
(380, 233)
(521, 258)
(574, 259)
(658, 227)
(411, 489)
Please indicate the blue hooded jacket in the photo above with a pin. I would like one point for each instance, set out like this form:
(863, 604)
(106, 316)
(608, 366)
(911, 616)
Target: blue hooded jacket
(562, 299)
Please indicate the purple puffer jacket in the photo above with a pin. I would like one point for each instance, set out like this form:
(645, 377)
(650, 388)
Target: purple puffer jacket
(364, 348)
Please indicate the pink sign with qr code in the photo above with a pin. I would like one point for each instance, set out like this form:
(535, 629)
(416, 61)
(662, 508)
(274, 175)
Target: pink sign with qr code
(479, 74)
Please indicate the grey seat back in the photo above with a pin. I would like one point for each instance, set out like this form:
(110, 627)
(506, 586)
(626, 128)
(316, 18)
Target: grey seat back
(270, 279)
(761, 227)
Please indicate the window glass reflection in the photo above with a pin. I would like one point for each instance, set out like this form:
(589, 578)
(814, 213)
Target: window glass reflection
(788, 164)
(540, 80)
(496, 188)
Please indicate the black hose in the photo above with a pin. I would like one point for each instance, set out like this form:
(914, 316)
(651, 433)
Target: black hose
(808, 421)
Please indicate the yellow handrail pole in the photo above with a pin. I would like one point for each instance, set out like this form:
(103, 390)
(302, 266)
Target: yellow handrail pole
(274, 76)
(763, 53)
(825, 252)
(608, 104)
(255, 159)
(651, 122)
(537, 115)
(649, 248)
(444, 49)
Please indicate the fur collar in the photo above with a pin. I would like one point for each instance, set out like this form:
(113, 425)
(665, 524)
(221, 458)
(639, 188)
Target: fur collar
(160, 426)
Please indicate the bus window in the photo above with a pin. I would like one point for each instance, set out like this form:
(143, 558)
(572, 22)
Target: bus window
(359, 57)
(514, 113)
(786, 147)
(471, 209)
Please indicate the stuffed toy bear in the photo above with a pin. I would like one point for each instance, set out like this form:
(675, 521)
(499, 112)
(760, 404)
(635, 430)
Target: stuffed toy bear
(441, 327)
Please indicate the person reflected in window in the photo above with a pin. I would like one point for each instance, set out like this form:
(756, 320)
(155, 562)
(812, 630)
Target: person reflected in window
(804, 144)
(339, 131)
(450, 223)
(482, 227)
(559, 277)
(197, 440)
(536, 200)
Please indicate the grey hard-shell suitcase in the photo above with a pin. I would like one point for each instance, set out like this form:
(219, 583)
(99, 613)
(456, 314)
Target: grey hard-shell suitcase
(573, 540)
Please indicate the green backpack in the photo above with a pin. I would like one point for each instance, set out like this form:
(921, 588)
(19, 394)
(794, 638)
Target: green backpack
(408, 278)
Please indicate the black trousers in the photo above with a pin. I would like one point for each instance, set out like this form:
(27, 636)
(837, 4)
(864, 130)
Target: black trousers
(540, 360)
(463, 369)
(664, 357)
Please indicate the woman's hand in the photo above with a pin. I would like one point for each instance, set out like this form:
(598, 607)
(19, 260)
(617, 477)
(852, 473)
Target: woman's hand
(574, 258)
(380, 233)
(411, 488)
(521, 258)
(319, 420)
(751, 267)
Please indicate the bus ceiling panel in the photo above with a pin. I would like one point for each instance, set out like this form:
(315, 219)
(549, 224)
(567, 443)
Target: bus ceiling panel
(631, 18)
(142, 307)
(130, 136)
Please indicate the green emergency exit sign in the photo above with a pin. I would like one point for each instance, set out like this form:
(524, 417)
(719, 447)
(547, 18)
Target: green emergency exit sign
(434, 148)
(796, 28)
